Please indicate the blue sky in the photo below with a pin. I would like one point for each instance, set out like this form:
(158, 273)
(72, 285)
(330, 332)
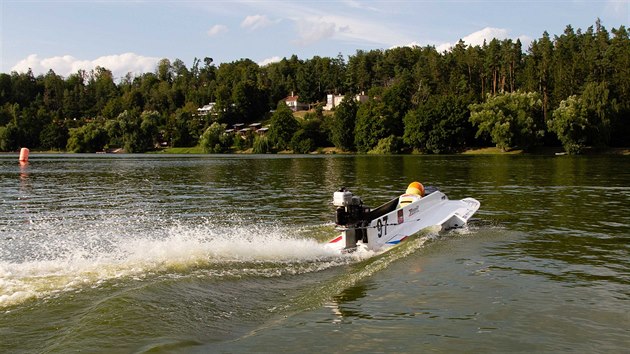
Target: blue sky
(131, 36)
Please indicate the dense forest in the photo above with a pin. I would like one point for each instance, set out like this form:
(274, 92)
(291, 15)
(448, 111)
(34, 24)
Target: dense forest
(572, 90)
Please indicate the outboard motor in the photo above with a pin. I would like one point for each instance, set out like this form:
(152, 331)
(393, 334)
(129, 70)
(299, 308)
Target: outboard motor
(352, 215)
(350, 209)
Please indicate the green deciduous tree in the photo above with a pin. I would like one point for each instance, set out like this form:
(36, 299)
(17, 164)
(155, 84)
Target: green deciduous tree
(511, 119)
(584, 120)
(309, 136)
(91, 137)
(390, 145)
(134, 132)
(182, 129)
(54, 136)
(601, 110)
(343, 123)
(396, 102)
(439, 125)
(53, 92)
(75, 102)
(24, 125)
(282, 126)
(242, 142)
(301, 142)
(571, 124)
(9, 137)
(261, 145)
(214, 140)
(371, 125)
(149, 129)
(101, 88)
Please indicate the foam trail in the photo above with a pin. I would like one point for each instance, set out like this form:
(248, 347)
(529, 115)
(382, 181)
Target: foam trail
(83, 262)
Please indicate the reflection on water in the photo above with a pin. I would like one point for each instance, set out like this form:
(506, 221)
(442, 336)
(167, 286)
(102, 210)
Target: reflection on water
(25, 191)
(24, 182)
(343, 306)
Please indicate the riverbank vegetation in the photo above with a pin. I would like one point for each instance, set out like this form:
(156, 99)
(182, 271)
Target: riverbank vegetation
(570, 90)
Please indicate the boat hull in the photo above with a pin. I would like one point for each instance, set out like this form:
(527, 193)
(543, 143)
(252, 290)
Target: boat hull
(392, 227)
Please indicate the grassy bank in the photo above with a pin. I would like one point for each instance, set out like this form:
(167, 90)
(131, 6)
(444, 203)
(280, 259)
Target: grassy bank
(546, 151)
(182, 150)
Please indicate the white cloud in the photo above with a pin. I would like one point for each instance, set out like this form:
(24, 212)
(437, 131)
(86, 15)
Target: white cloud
(444, 47)
(486, 34)
(256, 22)
(354, 21)
(127, 62)
(413, 44)
(355, 30)
(66, 65)
(216, 30)
(477, 38)
(311, 31)
(268, 61)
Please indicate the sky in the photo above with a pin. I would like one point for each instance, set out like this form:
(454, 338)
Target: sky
(132, 36)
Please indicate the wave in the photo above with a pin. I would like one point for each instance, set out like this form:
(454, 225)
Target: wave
(71, 260)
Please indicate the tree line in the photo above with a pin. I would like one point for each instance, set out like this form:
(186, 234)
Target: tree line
(571, 90)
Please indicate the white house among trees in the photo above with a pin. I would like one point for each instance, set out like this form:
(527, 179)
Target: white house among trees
(294, 103)
(206, 109)
(333, 101)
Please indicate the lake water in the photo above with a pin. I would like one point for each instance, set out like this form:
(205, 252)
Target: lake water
(206, 254)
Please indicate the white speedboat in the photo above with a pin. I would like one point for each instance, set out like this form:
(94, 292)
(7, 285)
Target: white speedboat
(386, 226)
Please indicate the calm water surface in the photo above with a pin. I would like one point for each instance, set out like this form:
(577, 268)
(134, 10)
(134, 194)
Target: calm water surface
(200, 254)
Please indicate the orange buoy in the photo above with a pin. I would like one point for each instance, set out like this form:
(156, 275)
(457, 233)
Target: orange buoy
(24, 155)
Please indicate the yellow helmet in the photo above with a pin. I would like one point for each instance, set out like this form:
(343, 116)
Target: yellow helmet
(415, 188)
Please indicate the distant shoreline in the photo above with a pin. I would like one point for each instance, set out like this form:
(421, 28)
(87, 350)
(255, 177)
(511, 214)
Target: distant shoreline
(542, 151)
